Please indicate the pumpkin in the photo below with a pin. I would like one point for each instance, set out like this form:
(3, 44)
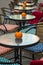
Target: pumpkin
(18, 35)
(23, 5)
(23, 14)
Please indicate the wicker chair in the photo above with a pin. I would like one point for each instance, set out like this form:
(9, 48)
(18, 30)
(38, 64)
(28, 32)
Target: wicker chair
(35, 2)
(6, 28)
(11, 5)
(6, 11)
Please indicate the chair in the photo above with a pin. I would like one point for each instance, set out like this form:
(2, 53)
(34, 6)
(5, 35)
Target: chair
(4, 50)
(36, 62)
(38, 48)
(35, 2)
(41, 6)
(6, 12)
(7, 27)
(15, 2)
(11, 5)
(5, 61)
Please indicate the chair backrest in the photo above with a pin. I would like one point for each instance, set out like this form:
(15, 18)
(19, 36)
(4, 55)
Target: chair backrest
(39, 31)
(41, 6)
(38, 14)
(11, 6)
(15, 1)
(1, 19)
(35, 2)
(3, 11)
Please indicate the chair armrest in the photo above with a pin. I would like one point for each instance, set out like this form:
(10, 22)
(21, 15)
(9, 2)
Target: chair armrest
(6, 9)
(28, 27)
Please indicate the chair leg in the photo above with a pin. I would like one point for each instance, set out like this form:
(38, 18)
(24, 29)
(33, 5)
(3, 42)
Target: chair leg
(33, 57)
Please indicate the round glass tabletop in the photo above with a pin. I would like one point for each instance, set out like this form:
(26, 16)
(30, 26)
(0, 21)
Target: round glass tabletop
(27, 4)
(19, 17)
(10, 40)
(26, 8)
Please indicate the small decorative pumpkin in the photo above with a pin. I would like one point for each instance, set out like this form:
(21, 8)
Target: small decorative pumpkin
(23, 14)
(23, 5)
(18, 35)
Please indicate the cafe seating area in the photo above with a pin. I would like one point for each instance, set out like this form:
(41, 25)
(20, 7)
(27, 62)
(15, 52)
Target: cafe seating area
(21, 32)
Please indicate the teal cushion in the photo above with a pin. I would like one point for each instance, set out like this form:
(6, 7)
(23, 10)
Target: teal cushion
(32, 31)
(2, 59)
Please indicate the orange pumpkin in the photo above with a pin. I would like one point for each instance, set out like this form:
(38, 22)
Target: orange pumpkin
(18, 35)
(23, 5)
(23, 14)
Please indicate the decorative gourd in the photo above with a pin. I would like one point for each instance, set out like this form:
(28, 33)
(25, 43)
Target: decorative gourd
(23, 5)
(18, 35)
(23, 14)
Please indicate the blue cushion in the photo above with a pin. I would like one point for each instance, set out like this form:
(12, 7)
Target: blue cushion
(36, 48)
(2, 59)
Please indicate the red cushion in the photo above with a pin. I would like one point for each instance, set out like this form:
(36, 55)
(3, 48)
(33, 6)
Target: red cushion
(38, 15)
(36, 62)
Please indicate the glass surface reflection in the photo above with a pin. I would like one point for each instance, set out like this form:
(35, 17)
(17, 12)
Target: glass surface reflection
(18, 41)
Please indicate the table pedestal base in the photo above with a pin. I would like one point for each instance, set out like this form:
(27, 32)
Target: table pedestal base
(18, 56)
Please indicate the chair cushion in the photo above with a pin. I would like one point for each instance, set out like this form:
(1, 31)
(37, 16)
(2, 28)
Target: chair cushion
(4, 50)
(36, 48)
(38, 15)
(9, 27)
(2, 59)
(36, 62)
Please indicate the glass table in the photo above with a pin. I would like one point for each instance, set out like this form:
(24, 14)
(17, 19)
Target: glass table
(24, 9)
(22, 20)
(27, 4)
(9, 40)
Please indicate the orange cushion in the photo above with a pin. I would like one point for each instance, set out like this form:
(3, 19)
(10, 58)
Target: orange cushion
(4, 50)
